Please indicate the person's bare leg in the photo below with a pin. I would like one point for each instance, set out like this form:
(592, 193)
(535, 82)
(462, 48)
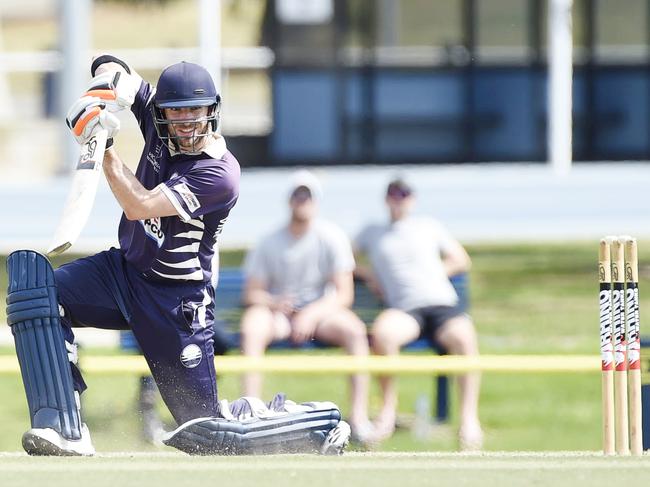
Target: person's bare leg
(391, 330)
(345, 329)
(458, 337)
(256, 334)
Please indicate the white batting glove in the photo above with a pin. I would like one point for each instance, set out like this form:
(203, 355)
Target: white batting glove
(116, 88)
(88, 115)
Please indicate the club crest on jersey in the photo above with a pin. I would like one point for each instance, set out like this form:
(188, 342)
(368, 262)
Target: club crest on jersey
(153, 230)
(191, 356)
(154, 158)
(190, 199)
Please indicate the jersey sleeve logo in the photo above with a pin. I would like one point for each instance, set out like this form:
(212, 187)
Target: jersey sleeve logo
(190, 199)
(154, 158)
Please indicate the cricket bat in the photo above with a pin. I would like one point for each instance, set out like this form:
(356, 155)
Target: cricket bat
(81, 195)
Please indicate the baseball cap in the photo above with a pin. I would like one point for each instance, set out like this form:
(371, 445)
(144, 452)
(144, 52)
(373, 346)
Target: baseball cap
(305, 179)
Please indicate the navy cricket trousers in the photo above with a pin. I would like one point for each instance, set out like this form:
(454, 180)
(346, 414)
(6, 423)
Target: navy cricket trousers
(171, 320)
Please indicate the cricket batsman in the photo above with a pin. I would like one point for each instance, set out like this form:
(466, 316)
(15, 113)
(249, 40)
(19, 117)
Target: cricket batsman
(157, 283)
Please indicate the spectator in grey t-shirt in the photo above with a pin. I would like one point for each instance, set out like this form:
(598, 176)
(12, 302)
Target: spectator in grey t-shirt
(411, 260)
(299, 286)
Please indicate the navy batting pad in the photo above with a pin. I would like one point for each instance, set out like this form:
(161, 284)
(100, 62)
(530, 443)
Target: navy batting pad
(33, 314)
(291, 433)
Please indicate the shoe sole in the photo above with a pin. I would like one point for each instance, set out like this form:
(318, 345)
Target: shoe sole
(47, 442)
(37, 446)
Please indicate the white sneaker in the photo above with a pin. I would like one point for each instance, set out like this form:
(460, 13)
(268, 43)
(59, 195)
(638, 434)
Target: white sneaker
(337, 439)
(364, 434)
(470, 438)
(47, 441)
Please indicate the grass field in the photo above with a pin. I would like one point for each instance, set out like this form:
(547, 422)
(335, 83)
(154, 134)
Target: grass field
(519, 412)
(526, 299)
(562, 469)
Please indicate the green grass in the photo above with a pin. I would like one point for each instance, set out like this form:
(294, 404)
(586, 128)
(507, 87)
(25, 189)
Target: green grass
(360, 470)
(536, 298)
(519, 412)
(525, 299)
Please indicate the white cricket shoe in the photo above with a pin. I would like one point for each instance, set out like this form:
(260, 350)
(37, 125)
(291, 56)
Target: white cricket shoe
(337, 439)
(47, 441)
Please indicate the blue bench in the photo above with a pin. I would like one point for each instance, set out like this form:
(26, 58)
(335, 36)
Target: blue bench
(228, 310)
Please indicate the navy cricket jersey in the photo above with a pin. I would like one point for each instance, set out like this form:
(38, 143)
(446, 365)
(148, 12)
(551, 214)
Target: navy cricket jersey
(203, 188)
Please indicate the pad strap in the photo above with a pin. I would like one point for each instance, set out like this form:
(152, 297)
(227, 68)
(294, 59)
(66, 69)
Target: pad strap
(33, 314)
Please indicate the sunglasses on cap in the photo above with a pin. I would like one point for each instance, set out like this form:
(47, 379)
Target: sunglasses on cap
(301, 193)
(398, 191)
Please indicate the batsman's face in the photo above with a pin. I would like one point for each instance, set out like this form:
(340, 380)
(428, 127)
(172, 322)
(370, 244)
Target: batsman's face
(186, 125)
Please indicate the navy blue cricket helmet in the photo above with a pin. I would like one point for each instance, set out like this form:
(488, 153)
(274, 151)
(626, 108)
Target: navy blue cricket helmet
(185, 85)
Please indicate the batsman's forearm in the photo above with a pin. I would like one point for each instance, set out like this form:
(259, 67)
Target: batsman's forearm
(128, 191)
